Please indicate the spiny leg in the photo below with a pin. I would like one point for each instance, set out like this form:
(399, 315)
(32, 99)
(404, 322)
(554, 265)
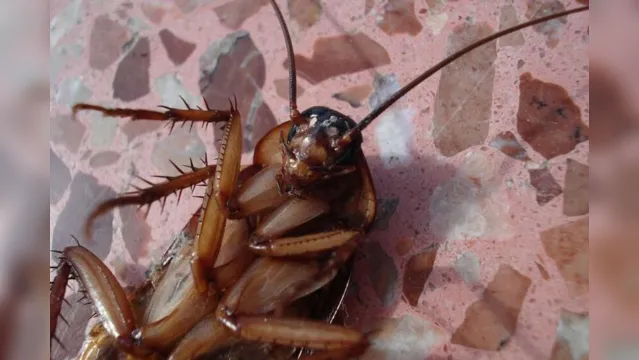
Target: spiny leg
(174, 307)
(58, 289)
(225, 177)
(208, 239)
(216, 209)
(208, 116)
(227, 173)
(219, 189)
(256, 194)
(211, 230)
(156, 192)
(103, 289)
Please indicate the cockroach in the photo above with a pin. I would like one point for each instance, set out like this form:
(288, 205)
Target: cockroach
(268, 236)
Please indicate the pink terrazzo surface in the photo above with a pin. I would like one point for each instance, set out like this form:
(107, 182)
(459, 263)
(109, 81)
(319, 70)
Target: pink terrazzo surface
(445, 183)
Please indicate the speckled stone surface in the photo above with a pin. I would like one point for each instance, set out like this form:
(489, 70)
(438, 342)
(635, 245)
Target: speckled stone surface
(480, 249)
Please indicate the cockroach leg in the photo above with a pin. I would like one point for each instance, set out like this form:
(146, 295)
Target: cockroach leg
(296, 333)
(259, 193)
(266, 286)
(107, 295)
(228, 164)
(175, 307)
(302, 245)
(58, 288)
(156, 192)
(98, 345)
(174, 115)
(164, 333)
(208, 239)
(207, 336)
(294, 212)
(241, 306)
(210, 234)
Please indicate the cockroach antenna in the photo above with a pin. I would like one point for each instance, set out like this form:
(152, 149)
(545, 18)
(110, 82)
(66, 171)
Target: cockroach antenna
(292, 73)
(428, 73)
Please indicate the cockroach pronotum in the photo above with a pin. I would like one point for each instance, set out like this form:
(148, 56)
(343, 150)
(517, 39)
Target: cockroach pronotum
(268, 237)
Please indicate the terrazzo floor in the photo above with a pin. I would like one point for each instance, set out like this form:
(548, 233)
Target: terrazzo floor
(480, 247)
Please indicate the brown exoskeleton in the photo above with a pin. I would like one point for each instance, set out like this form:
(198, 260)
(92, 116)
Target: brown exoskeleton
(267, 236)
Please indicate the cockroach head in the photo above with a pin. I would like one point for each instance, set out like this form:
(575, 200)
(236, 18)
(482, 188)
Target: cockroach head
(322, 142)
(316, 149)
